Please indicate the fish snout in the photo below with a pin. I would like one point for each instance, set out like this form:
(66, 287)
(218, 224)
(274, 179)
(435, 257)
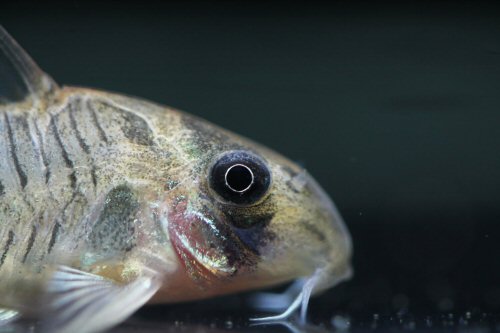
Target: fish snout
(325, 242)
(335, 264)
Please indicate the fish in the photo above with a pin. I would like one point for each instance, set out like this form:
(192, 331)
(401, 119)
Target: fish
(110, 202)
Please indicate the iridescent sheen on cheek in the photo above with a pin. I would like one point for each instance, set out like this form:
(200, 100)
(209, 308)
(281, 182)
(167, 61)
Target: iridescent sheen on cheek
(198, 242)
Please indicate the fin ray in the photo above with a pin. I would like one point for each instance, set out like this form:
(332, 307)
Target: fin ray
(7, 316)
(85, 302)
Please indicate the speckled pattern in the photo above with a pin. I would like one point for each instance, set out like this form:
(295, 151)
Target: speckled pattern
(116, 186)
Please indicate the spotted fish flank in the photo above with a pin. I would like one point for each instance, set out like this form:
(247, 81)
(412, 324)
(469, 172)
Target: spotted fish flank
(108, 202)
(114, 230)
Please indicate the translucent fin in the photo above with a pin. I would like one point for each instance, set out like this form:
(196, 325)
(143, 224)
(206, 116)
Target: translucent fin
(19, 74)
(294, 327)
(7, 316)
(276, 302)
(287, 313)
(301, 300)
(84, 302)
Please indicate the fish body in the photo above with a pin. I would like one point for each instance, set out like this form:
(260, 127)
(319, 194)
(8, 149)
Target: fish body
(108, 202)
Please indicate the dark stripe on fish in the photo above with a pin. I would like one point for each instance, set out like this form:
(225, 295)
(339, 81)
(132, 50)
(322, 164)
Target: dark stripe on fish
(72, 209)
(20, 172)
(134, 127)
(53, 127)
(2, 189)
(64, 153)
(85, 147)
(24, 123)
(53, 237)
(93, 175)
(31, 241)
(72, 122)
(93, 116)
(42, 153)
(6, 247)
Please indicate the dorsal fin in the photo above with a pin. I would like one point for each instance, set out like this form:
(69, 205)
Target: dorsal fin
(20, 76)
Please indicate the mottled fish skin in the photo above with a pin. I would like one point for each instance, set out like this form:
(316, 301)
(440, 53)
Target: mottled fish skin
(116, 186)
(60, 180)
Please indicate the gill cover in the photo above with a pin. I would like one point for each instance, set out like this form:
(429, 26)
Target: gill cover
(208, 247)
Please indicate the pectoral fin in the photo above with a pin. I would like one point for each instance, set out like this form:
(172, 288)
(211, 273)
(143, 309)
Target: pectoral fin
(7, 316)
(84, 302)
(20, 77)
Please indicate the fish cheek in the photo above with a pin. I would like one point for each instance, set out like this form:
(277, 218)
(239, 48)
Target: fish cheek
(209, 245)
(199, 241)
(251, 225)
(114, 231)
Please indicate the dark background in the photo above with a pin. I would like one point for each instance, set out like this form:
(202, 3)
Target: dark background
(393, 107)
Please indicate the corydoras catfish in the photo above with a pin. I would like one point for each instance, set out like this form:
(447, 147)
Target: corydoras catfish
(109, 202)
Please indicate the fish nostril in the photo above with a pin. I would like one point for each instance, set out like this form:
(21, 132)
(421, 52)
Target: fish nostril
(298, 182)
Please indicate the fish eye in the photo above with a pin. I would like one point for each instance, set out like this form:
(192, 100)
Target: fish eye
(240, 177)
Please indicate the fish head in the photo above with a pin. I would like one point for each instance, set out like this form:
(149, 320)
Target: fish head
(245, 217)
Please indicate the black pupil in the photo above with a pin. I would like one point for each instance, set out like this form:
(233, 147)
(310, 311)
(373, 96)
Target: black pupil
(239, 178)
